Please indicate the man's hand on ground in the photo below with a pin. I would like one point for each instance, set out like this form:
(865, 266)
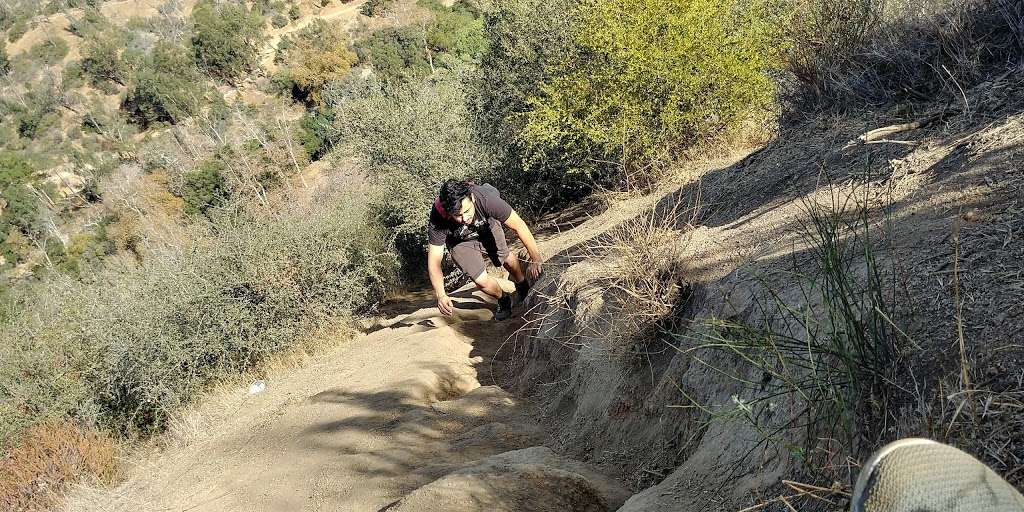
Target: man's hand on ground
(535, 270)
(444, 304)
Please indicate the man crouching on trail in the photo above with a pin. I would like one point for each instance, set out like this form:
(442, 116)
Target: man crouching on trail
(467, 219)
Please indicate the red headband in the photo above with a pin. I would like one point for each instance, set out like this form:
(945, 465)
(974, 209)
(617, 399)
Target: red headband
(440, 209)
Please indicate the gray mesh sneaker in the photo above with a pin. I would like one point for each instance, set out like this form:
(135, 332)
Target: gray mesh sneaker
(921, 475)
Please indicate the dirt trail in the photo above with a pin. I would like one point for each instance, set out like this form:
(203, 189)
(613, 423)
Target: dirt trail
(385, 415)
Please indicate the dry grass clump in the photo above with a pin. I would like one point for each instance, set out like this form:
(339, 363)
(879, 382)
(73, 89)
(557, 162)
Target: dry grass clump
(819, 369)
(50, 456)
(627, 292)
(878, 51)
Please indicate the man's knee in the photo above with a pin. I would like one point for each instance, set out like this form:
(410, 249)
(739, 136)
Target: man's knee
(484, 281)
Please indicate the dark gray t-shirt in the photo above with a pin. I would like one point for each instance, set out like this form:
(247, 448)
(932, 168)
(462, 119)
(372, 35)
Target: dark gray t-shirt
(489, 205)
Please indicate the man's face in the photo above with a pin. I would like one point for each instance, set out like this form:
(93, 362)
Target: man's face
(467, 211)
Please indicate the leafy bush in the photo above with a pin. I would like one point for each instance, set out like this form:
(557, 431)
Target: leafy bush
(18, 29)
(167, 87)
(204, 188)
(375, 7)
(226, 38)
(125, 351)
(316, 56)
(92, 20)
(83, 251)
(5, 61)
(396, 54)
(14, 169)
(457, 32)
(658, 76)
(412, 137)
(527, 41)
(317, 133)
(21, 210)
(101, 58)
(49, 51)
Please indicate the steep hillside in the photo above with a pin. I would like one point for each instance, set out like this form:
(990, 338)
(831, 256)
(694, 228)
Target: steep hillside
(638, 358)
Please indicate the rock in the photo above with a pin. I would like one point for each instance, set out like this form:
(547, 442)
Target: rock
(530, 480)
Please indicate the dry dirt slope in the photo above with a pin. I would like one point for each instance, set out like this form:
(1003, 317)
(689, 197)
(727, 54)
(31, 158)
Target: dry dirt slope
(399, 419)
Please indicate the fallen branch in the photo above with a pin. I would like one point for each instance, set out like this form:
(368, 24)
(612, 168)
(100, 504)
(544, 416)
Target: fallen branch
(884, 132)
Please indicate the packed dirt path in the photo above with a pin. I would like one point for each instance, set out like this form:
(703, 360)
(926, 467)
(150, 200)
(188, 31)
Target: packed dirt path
(365, 425)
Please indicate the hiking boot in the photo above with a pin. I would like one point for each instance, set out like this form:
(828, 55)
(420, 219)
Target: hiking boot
(522, 288)
(504, 308)
(913, 475)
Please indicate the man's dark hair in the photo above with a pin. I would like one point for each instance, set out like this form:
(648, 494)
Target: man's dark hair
(451, 195)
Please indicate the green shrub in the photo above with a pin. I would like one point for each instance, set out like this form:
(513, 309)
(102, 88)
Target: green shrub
(14, 169)
(317, 132)
(84, 251)
(92, 21)
(294, 13)
(660, 76)
(5, 61)
(226, 38)
(396, 54)
(127, 350)
(204, 188)
(527, 42)
(459, 33)
(167, 87)
(412, 137)
(49, 51)
(102, 60)
(279, 21)
(21, 211)
(315, 57)
(18, 29)
(375, 7)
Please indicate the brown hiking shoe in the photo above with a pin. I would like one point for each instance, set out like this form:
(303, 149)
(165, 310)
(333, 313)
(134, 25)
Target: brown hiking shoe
(921, 475)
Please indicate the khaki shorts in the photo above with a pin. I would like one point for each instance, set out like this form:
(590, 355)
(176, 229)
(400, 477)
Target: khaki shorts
(469, 255)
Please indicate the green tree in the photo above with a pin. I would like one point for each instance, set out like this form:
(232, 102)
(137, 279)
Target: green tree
(460, 33)
(527, 42)
(167, 87)
(226, 38)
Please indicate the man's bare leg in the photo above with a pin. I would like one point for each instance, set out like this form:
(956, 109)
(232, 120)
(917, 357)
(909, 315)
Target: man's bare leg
(514, 267)
(488, 285)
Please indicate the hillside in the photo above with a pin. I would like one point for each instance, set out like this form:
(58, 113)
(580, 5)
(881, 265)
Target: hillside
(771, 244)
(417, 413)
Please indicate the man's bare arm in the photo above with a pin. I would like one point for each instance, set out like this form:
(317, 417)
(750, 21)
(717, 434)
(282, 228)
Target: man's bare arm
(517, 224)
(435, 253)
